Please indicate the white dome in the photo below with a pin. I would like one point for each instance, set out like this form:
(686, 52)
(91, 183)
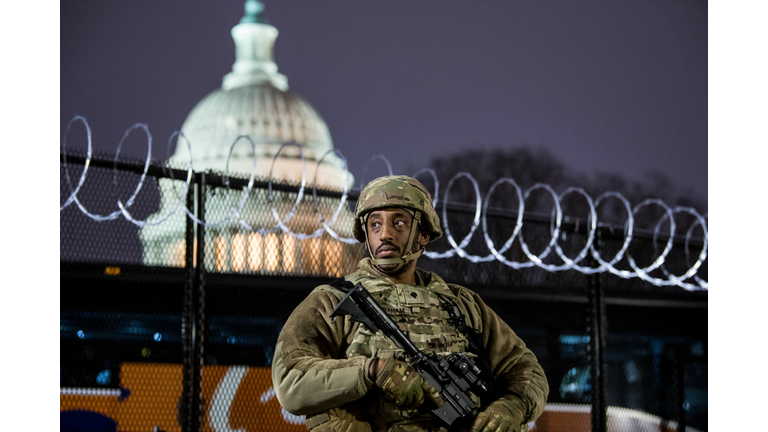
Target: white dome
(255, 101)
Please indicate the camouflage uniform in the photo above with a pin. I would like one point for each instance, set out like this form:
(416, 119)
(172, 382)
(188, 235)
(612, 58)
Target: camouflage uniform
(320, 367)
(321, 363)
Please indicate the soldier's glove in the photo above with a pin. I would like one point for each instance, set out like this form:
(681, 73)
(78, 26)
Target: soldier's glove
(401, 384)
(503, 415)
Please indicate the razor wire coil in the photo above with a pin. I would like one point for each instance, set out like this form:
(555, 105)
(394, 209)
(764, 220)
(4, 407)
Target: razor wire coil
(481, 208)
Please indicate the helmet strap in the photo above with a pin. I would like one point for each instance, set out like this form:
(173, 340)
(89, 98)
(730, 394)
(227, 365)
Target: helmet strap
(406, 258)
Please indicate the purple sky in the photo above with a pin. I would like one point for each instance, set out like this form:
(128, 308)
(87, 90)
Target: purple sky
(611, 86)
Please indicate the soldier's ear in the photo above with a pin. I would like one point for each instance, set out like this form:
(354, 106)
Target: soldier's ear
(423, 237)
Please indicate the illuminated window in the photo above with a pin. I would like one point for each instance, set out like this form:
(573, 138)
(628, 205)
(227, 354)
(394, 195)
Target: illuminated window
(272, 249)
(254, 251)
(332, 257)
(289, 253)
(178, 253)
(312, 258)
(238, 252)
(221, 253)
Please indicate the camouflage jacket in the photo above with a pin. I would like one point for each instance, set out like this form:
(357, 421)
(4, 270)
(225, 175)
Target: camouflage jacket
(320, 363)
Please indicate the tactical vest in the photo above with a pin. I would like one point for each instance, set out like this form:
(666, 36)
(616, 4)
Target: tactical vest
(419, 313)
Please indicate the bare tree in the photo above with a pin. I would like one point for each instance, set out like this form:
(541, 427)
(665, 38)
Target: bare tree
(528, 166)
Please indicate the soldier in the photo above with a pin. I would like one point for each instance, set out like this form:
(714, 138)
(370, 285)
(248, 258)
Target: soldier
(345, 378)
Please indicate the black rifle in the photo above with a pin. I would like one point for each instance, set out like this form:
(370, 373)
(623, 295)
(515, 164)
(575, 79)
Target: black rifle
(452, 377)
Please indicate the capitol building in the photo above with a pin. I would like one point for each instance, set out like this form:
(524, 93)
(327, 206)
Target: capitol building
(255, 101)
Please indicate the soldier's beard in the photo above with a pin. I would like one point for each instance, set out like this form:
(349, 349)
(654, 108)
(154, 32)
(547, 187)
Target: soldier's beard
(389, 269)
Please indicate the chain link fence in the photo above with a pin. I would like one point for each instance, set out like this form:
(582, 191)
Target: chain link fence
(169, 322)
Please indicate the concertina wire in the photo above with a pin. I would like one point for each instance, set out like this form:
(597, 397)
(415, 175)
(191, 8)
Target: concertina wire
(457, 248)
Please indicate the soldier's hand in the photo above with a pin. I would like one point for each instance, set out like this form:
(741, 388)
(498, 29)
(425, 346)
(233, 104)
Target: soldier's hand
(500, 416)
(401, 384)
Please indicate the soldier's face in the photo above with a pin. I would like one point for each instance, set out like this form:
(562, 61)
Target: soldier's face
(388, 232)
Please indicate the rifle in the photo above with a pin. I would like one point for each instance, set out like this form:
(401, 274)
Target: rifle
(452, 377)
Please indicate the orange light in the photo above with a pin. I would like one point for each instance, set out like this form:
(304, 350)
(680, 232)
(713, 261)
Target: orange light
(238, 252)
(312, 258)
(254, 251)
(112, 271)
(221, 253)
(178, 254)
(272, 247)
(289, 253)
(332, 257)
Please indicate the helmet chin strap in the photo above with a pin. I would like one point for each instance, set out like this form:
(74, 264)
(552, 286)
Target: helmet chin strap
(406, 258)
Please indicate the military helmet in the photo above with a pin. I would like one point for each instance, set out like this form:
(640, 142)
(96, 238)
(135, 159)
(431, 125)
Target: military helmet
(397, 191)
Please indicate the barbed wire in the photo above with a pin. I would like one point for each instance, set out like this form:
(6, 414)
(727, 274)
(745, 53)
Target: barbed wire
(457, 248)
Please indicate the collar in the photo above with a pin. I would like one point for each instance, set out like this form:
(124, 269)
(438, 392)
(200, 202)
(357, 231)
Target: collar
(378, 281)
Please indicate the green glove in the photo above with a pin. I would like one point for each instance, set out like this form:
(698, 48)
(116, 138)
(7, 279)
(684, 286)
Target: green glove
(401, 384)
(503, 415)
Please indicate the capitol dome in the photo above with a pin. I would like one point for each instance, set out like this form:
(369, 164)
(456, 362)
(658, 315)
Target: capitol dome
(255, 101)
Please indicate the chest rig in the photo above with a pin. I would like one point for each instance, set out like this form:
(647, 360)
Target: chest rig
(429, 314)
(422, 312)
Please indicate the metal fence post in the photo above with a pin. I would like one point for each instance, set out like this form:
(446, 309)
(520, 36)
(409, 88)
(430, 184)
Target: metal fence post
(199, 309)
(187, 317)
(193, 320)
(597, 333)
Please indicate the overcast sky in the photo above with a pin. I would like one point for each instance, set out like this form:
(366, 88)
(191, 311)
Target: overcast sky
(604, 85)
